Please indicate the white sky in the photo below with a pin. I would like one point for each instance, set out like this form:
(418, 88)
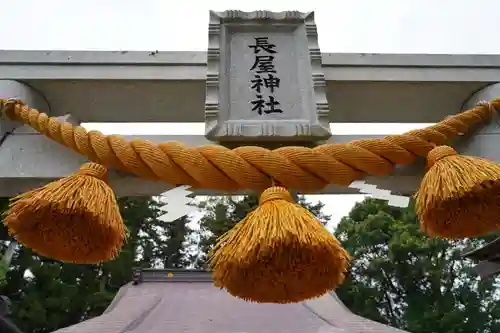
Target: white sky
(358, 26)
(366, 26)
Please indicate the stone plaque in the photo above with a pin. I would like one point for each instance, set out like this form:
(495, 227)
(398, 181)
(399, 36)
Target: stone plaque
(264, 78)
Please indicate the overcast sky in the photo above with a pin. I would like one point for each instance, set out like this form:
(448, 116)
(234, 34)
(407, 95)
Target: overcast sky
(368, 26)
(359, 26)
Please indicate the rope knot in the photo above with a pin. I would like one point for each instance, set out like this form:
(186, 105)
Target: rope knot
(491, 106)
(275, 193)
(438, 153)
(93, 169)
(7, 106)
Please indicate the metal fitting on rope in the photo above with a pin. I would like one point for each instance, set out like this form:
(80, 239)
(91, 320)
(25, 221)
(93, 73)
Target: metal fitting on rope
(6, 103)
(493, 110)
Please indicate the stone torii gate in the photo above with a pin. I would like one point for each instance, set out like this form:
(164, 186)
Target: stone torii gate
(262, 82)
(315, 89)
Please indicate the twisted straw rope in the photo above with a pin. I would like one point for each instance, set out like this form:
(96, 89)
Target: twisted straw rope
(251, 168)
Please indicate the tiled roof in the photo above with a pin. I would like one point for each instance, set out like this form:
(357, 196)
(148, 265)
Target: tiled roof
(183, 301)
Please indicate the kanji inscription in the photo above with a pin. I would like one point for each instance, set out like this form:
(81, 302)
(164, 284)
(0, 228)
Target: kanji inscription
(264, 78)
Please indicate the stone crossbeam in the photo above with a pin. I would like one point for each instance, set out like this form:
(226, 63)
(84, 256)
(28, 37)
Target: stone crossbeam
(35, 160)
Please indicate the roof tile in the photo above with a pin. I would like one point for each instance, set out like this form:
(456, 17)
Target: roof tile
(160, 301)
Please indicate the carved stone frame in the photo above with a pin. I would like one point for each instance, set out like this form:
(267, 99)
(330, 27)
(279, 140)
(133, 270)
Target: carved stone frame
(313, 130)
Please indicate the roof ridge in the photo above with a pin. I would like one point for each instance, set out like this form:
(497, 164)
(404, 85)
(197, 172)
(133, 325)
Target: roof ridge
(171, 275)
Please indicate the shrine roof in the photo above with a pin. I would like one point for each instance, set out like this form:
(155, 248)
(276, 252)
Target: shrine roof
(186, 301)
(486, 252)
(488, 257)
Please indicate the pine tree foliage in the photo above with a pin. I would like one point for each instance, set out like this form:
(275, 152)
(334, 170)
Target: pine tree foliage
(401, 277)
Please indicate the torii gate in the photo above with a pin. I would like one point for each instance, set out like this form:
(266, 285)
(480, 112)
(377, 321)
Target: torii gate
(262, 82)
(101, 86)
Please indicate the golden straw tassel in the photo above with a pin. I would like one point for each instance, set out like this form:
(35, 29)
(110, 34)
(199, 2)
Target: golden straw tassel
(280, 253)
(459, 196)
(75, 219)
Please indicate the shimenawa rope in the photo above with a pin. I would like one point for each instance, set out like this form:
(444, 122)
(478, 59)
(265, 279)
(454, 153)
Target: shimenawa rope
(251, 168)
(280, 252)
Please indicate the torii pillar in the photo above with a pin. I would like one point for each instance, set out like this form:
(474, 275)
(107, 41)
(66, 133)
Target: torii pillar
(20, 91)
(11, 131)
(486, 141)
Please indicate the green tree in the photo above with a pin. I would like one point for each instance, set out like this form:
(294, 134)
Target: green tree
(222, 213)
(401, 277)
(174, 252)
(47, 295)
